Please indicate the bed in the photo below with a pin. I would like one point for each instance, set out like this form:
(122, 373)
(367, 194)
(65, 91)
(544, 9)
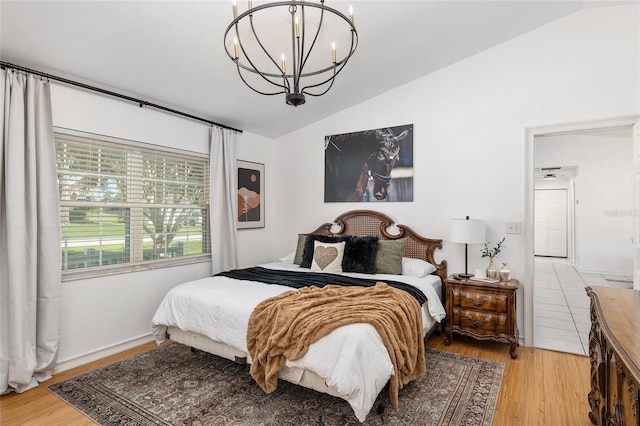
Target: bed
(351, 362)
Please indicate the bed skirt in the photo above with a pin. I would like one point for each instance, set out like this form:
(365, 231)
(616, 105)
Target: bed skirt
(294, 375)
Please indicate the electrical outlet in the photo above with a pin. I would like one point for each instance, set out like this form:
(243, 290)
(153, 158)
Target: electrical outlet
(514, 228)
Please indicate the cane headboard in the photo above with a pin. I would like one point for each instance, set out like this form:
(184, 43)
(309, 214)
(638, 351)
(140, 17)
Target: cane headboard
(368, 222)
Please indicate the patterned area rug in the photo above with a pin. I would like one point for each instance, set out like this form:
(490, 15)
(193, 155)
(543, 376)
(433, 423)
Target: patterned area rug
(171, 385)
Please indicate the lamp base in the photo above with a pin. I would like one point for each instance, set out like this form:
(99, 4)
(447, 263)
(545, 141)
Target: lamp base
(465, 275)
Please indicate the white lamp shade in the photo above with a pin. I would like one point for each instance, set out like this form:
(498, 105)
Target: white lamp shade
(467, 231)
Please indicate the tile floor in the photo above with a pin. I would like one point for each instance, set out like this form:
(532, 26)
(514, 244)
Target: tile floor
(561, 305)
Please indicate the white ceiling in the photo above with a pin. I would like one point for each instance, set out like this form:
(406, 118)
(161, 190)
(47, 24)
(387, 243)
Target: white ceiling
(172, 53)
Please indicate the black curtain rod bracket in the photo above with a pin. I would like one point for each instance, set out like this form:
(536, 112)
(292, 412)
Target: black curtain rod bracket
(140, 102)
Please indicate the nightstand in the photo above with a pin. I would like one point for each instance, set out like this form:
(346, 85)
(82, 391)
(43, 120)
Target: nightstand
(481, 310)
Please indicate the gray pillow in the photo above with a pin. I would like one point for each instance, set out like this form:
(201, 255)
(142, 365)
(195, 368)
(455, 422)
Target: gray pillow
(300, 249)
(389, 256)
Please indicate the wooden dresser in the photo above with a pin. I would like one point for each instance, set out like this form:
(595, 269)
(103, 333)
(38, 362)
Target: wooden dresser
(614, 349)
(482, 311)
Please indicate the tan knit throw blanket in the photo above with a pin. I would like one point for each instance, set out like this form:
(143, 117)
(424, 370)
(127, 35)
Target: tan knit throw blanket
(284, 326)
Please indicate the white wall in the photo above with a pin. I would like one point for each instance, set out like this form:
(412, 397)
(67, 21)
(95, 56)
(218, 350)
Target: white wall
(604, 195)
(469, 130)
(103, 312)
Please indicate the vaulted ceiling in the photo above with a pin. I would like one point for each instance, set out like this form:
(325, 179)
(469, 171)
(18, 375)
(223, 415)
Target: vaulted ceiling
(172, 53)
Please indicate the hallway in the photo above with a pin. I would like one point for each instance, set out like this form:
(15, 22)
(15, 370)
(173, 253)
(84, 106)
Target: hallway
(561, 305)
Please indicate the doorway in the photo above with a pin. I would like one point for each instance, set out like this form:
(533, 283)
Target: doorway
(579, 257)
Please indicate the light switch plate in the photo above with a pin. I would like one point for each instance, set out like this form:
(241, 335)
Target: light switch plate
(514, 227)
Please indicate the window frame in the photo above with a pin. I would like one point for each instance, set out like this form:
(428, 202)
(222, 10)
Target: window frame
(141, 265)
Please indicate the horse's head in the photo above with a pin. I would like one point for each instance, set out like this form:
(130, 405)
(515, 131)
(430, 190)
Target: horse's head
(384, 159)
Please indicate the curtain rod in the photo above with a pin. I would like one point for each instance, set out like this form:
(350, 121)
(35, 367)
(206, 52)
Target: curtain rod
(140, 102)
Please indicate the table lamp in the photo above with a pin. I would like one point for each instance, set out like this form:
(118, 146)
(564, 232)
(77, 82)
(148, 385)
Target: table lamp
(467, 231)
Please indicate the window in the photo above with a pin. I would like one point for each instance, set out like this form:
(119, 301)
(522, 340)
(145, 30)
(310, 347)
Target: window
(126, 206)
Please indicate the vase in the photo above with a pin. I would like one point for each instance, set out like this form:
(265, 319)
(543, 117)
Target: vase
(504, 273)
(492, 272)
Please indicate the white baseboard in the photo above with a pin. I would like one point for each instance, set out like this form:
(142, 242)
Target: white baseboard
(102, 353)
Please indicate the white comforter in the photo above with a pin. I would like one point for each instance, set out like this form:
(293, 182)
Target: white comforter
(352, 359)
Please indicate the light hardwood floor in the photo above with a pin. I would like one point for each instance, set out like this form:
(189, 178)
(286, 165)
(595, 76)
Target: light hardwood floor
(541, 387)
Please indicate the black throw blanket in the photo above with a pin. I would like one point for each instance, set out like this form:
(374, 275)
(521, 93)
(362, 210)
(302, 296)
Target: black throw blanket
(305, 279)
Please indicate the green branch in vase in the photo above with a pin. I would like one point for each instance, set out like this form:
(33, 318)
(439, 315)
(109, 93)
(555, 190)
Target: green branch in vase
(492, 252)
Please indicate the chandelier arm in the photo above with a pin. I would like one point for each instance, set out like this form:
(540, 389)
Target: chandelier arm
(294, 55)
(301, 42)
(331, 79)
(297, 65)
(285, 86)
(342, 62)
(336, 69)
(284, 90)
(315, 38)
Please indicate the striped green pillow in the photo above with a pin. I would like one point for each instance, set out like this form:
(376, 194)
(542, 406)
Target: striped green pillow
(389, 256)
(300, 249)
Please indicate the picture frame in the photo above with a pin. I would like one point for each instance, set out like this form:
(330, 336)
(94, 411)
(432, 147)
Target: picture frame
(373, 165)
(250, 195)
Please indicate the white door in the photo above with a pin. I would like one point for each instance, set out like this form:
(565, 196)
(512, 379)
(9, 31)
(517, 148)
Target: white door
(558, 223)
(551, 222)
(541, 227)
(636, 206)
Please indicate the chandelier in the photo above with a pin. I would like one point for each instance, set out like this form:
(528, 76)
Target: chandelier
(295, 48)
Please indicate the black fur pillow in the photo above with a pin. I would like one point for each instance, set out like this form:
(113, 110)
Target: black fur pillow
(360, 255)
(359, 252)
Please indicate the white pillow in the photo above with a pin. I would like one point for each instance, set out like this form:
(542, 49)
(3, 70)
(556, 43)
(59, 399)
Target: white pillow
(416, 267)
(288, 258)
(327, 257)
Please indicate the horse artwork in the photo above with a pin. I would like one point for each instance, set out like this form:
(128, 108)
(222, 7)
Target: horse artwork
(370, 165)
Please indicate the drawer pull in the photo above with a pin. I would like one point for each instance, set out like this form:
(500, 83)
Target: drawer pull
(478, 323)
(477, 302)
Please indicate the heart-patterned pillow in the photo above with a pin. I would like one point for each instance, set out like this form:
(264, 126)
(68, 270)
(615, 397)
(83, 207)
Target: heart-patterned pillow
(327, 257)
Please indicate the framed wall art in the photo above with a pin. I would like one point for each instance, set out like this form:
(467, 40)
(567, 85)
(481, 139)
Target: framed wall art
(369, 166)
(250, 195)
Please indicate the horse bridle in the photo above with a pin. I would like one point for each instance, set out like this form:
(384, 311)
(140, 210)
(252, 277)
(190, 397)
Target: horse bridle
(391, 156)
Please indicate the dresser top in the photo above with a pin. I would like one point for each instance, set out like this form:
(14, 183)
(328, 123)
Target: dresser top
(618, 311)
(511, 284)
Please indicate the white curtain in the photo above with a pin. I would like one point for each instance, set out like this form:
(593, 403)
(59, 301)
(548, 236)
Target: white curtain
(223, 203)
(30, 273)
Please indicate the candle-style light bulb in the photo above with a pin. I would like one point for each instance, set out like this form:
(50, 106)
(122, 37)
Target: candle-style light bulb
(351, 13)
(235, 46)
(284, 65)
(333, 52)
(250, 3)
(235, 9)
(297, 26)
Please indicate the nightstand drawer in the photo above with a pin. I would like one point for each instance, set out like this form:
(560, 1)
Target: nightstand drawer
(481, 301)
(481, 323)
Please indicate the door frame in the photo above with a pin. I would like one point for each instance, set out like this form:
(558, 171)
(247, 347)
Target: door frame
(636, 206)
(528, 228)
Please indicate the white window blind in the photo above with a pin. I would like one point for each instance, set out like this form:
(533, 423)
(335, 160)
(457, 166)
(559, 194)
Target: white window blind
(124, 203)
